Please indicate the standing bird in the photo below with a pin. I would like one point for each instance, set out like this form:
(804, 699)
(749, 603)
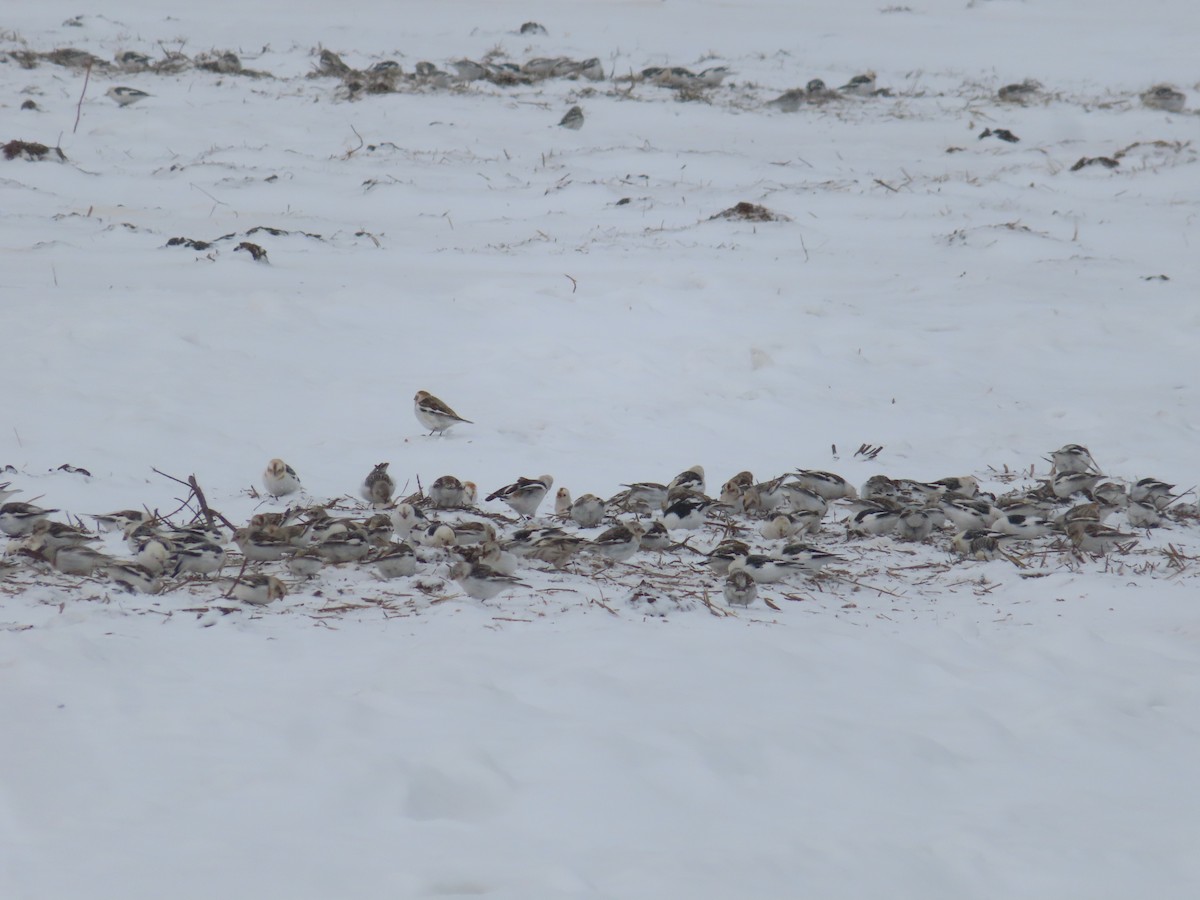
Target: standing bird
(573, 119)
(434, 414)
(740, 589)
(280, 479)
(125, 96)
(377, 488)
(524, 495)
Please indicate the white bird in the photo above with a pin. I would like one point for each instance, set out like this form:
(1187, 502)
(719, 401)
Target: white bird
(447, 492)
(874, 521)
(305, 563)
(573, 119)
(133, 577)
(587, 511)
(810, 559)
(17, 519)
(619, 542)
(740, 589)
(434, 414)
(199, 559)
(525, 494)
(978, 543)
(483, 582)
(1073, 458)
(1092, 537)
(1163, 96)
(860, 85)
(1023, 527)
(377, 488)
(725, 553)
(766, 569)
(258, 590)
(825, 484)
(125, 96)
(396, 561)
(688, 512)
(280, 479)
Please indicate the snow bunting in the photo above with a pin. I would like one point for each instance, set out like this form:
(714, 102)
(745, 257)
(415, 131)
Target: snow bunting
(406, 517)
(436, 535)
(873, 521)
(1152, 490)
(1073, 458)
(960, 485)
(691, 479)
(740, 589)
(801, 499)
(788, 101)
(122, 520)
(1143, 514)
(816, 92)
(258, 590)
(198, 559)
(860, 85)
(280, 479)
(379, 529)
(879, 487)
(524, 495)
(562, 503)
(1163, 96)
(786, 525)
(377, 488)
(17, 519)
(1092, 537)
(1019, 93)
(618, 543)
(132, 577)
(587, 511)
(305, 563)
(1068, 484)
(1111, 495)
(978, 543)
(125, 96)
(734, 491)
(1081, 512)
(45, 534)
(967, 515)
(76, 559)
(726, 552)
(1021, 527)
(434, 414)
(641, 496)
(712, 76)
(687, 513)
(913, 525)
(825, 484)
(765, 569)
(468, 533)
(522, 541)
(483, 582)
(808, 558)
(573, 119)
(258, 545)
(447, 492)
(343, 547)
(592, 69)
(656, 538)
(398, 560)
(556, 549)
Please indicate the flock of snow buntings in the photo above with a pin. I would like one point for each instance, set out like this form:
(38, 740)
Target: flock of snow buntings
(1073, 501)
(814, 93)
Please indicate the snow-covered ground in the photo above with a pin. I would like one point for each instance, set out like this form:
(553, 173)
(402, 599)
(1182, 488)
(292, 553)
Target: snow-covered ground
(912, 725)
